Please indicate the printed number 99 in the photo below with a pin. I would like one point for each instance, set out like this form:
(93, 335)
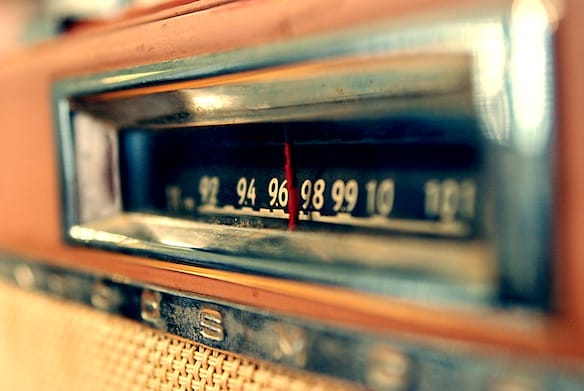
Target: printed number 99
(342, 192)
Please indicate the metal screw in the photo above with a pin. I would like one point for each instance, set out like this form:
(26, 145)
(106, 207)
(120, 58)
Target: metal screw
(56, 284)
(389, 369)
(105, 297)
(150, 306)
(24, 276)
(291, 344)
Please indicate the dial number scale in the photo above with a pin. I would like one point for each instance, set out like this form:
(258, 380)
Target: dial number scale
(445, 200)
(326, 177)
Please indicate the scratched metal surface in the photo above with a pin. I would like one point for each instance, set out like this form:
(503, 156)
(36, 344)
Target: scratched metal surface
(379, 362)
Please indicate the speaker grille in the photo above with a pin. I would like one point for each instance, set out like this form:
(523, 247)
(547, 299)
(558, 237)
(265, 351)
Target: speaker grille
(47, 343)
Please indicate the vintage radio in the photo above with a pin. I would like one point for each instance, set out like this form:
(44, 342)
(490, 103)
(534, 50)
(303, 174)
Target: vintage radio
(296, 195)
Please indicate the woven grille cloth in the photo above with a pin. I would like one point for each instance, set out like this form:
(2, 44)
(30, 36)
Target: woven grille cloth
(49, 344)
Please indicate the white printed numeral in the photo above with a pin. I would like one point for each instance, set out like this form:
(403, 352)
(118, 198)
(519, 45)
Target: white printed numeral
(245, 191)
(342, 193)
(312, 193)
(278, 192)
(448, 198)
(380, 197)
(209, 188)
(173, 197)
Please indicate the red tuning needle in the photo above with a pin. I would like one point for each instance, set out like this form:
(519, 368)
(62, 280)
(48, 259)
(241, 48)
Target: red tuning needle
(293, 200)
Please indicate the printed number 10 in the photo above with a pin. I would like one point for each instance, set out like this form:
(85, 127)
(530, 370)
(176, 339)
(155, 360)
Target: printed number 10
(380, 197)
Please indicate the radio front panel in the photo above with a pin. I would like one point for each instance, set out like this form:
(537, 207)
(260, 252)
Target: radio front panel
(296, 195)
(405, 160)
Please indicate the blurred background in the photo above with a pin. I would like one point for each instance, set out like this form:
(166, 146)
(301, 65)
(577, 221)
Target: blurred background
(25, 22)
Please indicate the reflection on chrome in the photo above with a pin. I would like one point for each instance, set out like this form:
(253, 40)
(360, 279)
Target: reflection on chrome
(531, 75)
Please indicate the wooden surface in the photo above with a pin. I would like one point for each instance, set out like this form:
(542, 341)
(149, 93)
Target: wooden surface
(29, 195)
(570, 170)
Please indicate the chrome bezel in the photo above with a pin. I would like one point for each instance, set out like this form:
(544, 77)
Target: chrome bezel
(511, 70)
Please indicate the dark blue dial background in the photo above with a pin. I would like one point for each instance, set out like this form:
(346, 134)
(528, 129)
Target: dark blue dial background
(409, 151)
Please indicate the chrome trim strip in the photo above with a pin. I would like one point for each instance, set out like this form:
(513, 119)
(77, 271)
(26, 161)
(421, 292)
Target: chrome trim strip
(387, 269)
(321, 89)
